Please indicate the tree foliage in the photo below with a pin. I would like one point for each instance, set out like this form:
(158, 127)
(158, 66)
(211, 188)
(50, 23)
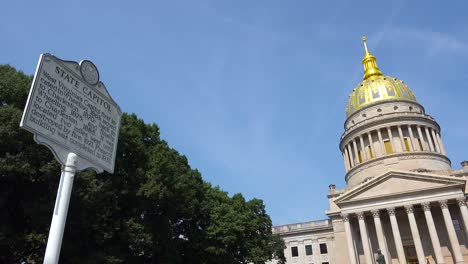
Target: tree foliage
(154, 209)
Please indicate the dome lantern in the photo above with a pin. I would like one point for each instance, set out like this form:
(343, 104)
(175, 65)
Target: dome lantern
(370, 63)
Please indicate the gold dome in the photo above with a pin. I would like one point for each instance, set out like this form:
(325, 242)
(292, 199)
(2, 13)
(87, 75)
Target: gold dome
(376, 87)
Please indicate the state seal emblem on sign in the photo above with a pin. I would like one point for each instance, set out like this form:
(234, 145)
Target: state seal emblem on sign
(89, 72)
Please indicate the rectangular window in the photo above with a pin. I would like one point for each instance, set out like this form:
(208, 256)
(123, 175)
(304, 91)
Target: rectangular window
(323, 249)
(406, 144)
(294, 252)
(388, 147)
(324, 262)
(371, 154)
(456, 224)
(359, 156)
(308, 249)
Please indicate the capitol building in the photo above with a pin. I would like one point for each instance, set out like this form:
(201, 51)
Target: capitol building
(401, 196)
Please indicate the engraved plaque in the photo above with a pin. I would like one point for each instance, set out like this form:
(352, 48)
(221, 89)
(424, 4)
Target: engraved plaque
(70, 110)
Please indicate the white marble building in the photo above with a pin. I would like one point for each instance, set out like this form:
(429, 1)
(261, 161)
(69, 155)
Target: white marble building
(401, 194)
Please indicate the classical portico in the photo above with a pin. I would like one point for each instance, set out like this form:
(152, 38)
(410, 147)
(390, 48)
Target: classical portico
(401, 195)
(382, 210)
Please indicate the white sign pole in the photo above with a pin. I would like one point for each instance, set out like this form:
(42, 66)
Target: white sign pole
(54, 243)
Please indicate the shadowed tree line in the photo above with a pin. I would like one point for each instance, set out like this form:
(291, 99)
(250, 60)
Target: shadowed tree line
(154, 209)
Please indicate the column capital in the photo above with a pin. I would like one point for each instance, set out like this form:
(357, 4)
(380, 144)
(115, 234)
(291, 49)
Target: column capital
(360, 215)
(461, 201)
(391, 210)
(376, 213)
(409, 208)
(345, 217)
(426, 206)
(443, 204)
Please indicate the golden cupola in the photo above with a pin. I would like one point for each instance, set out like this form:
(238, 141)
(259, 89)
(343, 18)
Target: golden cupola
(376, 87)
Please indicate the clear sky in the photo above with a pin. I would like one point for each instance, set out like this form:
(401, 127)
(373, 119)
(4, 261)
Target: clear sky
(254, 92)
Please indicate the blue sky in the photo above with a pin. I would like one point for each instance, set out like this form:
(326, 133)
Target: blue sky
(254, 92)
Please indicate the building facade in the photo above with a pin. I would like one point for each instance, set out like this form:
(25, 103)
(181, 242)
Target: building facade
(401, 194)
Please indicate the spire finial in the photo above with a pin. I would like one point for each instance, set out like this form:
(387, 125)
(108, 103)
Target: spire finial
(369, 62)
(365, 44)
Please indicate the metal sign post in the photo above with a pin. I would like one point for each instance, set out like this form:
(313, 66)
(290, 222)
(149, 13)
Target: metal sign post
(54, 243)
(70, 111)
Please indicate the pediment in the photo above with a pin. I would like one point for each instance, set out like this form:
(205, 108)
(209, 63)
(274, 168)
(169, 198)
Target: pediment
(399, 183)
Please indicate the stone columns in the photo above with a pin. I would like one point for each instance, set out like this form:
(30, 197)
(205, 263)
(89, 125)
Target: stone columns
(436, 143)
(346, 158)
(382, 146)
(371, 145)
(345, 163)
(380, 235)
(356, 156)
(390, 138)
(421, 138)
(363, 150)
(350, 154)
(429, 140)
(415, 234)
(349, 239)
(464, 212)
(451, 232)
(396, 235)
(442, 148)
(364, 237)
(402, 140)
(410, 131)
(433, 233)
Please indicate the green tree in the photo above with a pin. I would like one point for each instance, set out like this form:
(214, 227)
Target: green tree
(154, 209)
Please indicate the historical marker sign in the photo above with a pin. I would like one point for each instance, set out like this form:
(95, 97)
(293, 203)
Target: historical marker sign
(70, 111)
